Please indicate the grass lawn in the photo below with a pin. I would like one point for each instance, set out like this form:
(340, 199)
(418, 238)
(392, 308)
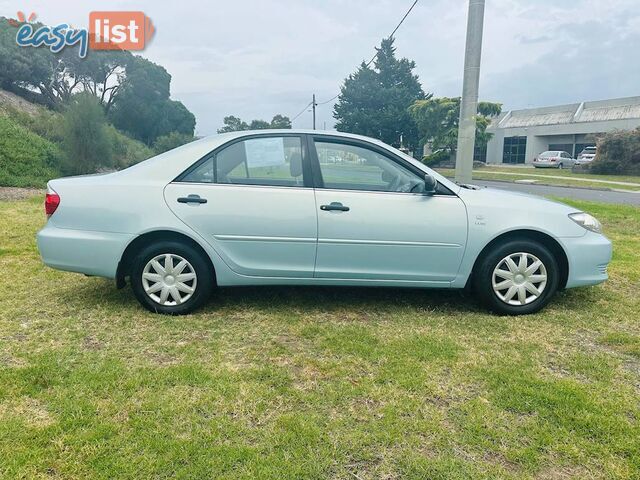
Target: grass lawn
(569, 178)
(315, 382)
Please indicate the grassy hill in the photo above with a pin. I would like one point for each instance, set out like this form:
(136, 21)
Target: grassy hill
(31, 138)
(26, 159)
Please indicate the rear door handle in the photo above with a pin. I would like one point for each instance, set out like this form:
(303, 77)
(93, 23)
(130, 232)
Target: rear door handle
(334, 206)
(192, 199)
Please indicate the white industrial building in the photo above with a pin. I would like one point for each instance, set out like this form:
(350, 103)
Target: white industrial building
(520, 135)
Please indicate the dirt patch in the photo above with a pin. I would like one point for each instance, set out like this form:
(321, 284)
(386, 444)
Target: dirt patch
(8, 194)
(31, 411)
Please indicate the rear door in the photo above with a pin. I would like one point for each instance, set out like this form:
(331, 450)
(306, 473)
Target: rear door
(252, 200)
(371, 225)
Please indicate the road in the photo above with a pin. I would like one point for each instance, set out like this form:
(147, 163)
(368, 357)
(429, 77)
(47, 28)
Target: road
(606, 196)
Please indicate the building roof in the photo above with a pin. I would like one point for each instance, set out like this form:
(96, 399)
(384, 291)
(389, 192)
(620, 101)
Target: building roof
(598, 111)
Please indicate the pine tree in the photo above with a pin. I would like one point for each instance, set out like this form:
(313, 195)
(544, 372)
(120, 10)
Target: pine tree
(375, 101)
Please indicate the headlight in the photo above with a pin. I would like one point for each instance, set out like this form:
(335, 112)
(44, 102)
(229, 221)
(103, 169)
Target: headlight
(587, 221)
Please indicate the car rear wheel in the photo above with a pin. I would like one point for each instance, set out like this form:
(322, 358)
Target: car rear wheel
(517, 278)
(171, 278)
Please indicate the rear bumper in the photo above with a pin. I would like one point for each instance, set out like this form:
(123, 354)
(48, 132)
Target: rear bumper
(91, 253)
(588, 258)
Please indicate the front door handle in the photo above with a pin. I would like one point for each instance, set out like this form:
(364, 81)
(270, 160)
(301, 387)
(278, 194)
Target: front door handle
(192, 199)
(334, 206)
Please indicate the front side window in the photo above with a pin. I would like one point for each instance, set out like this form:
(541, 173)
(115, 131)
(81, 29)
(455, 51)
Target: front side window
(350, 167)
(275, 161)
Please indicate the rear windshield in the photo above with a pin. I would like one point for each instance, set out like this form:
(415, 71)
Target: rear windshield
(550, 154)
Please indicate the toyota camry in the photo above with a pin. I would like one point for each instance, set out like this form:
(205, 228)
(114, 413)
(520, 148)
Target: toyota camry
(297, 207)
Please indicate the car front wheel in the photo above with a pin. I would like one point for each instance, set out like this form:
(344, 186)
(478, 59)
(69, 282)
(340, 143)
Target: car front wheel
(517, 278)
(171, 278)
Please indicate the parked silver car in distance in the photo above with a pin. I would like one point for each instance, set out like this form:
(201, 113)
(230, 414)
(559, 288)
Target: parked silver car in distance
(587, 155)
(554, 159)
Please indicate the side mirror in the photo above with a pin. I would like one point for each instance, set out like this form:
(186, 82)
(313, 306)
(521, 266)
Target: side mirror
(430, 185)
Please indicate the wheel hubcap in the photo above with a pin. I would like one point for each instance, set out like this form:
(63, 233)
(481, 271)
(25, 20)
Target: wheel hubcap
(519, 279)
(169, 279)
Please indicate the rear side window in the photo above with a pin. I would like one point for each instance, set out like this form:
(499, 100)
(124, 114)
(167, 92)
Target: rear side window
(274, 161)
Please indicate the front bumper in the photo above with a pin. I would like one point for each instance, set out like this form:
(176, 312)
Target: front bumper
(588, 258)
(82, 251)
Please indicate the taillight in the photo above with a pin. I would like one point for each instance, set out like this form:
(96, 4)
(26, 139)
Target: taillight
(51, 202)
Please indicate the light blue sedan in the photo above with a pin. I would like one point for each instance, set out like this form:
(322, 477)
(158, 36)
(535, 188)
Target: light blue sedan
(296, 207)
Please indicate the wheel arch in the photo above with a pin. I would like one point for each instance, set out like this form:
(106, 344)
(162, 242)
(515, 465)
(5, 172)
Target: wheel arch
(126, 260)
(523, 234)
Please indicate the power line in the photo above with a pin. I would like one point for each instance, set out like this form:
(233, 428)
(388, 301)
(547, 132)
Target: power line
(369, 63)
(395, 30)
(327, 101)
(401, 21)
(302, 111)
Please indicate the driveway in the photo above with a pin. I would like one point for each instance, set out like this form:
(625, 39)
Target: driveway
(606, 196)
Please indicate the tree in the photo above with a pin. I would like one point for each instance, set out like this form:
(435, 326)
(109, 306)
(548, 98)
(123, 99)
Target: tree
(259, 125)
(143, 108)
(437, 120)
(280, 121)
(235, 124)
(133, 91)
(103, 72)
(87, 142)
(375, 101)
(37, 74)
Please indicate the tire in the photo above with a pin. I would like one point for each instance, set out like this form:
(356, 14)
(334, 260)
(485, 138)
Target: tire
(150, 280)
(560, 166)
(498, 300)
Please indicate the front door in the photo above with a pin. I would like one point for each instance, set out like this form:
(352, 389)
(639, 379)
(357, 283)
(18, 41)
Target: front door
(372, 226)
(252, 201)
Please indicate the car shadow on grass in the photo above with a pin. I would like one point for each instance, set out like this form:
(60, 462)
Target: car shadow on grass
(363, 302)
(319, 300)
(313, 299)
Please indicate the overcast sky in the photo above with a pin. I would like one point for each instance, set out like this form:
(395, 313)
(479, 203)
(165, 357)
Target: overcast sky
(257, 58)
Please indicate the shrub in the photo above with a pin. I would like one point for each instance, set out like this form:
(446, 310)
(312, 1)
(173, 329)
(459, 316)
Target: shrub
(126, 150)
(436, 158)
(26, 159)
(171, 141)
(45, 123)
(86, 142)
(618, 153)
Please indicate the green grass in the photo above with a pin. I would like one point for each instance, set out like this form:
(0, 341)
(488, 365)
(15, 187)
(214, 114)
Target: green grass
(315, 382)
(26, 159)
(569, 179)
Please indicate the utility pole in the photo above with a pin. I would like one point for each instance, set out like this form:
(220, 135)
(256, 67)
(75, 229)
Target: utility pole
(469, 102)
(313, 102)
